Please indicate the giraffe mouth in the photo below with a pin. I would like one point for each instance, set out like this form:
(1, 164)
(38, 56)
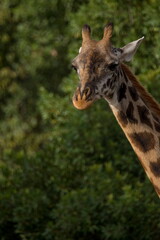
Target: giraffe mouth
(82, 99)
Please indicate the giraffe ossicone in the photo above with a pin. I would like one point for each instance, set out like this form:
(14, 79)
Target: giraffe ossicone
(103, 74)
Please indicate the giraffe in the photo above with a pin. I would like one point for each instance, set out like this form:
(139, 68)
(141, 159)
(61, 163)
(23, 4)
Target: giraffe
(103, 74)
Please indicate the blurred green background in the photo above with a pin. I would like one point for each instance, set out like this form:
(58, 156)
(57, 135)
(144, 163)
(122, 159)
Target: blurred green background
(67, 174)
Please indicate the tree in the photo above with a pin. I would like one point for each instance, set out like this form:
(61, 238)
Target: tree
(63, 175)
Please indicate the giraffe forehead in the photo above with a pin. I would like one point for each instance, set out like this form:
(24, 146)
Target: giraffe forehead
(93, 56)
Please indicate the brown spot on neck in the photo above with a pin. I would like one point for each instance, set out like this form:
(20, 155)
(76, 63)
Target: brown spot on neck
(130, 113)
(144, 141)
(133, 93)
(143, 114)
(155, 168)
(121, 94)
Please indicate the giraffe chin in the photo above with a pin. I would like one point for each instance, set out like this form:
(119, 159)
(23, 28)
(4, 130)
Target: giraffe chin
(81, 104)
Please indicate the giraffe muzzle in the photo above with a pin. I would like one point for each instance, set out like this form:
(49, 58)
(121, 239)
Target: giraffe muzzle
(83, 98)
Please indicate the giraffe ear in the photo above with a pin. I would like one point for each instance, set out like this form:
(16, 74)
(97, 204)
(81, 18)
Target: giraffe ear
(130, 49)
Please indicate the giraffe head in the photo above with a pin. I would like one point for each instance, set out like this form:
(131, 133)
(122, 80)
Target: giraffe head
(97, 64)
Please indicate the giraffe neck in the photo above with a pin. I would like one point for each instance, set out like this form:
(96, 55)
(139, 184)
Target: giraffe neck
(139, 116)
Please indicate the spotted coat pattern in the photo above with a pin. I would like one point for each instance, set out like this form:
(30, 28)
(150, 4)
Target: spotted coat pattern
(141, 125)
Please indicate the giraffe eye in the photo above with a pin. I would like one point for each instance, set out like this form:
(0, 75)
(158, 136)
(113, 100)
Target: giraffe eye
(112, 66)
(74, 67)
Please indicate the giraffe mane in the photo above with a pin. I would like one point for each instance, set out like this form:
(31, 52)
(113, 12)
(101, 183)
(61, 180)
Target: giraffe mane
(146, 97)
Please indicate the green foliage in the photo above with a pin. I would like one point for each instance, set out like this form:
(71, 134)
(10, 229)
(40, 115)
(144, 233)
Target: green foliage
(67, 174)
